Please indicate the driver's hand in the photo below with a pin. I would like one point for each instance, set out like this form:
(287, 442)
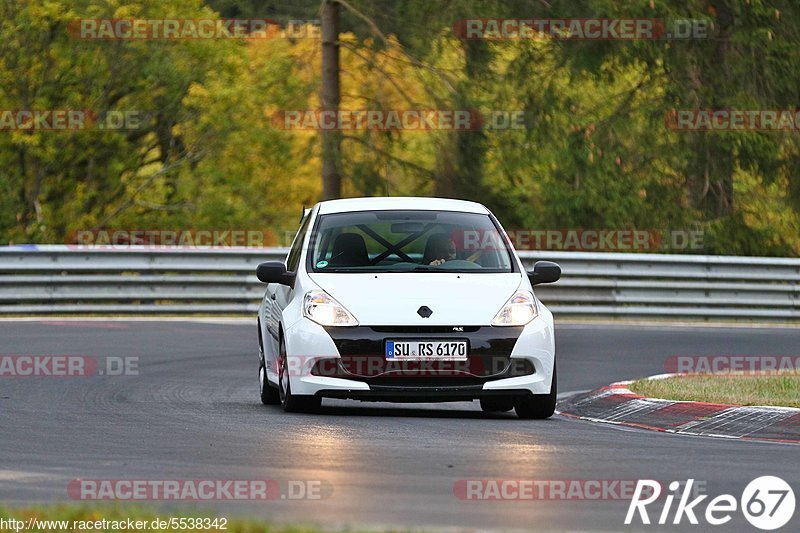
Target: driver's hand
(437, 262)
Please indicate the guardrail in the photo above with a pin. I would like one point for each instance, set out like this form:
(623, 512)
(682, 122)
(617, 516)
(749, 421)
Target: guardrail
(61, 280)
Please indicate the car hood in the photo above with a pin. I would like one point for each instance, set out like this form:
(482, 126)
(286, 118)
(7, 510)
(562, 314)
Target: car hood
(394, 298)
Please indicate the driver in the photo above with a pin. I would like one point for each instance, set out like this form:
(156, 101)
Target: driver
(442, 249)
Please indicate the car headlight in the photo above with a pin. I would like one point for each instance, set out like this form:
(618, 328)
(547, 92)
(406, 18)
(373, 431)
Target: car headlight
(320, 307)
(518, 310)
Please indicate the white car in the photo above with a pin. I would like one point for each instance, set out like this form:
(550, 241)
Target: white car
(405, 299)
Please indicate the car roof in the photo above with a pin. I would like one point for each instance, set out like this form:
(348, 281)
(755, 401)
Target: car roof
(385, 203)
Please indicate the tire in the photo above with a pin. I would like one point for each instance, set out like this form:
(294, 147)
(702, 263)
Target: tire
(269, 394)
(538, 406)
(290, 402)
(497, 404)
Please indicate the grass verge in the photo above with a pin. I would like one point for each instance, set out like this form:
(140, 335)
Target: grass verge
(774, 389)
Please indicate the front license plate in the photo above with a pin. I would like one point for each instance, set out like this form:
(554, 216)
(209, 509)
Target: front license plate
(422, 350)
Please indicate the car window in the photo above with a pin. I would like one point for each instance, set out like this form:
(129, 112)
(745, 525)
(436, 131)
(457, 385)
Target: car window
(293, 259)
(408, 241)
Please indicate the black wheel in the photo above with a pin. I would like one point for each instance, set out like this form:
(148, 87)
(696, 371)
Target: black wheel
(538, 406)
(497, 404)
(269, 394)
(290, 402)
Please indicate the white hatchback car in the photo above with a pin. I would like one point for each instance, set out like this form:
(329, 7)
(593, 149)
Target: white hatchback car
(405, 299)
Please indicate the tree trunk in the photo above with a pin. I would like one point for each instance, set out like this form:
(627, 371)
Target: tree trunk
(329, 98)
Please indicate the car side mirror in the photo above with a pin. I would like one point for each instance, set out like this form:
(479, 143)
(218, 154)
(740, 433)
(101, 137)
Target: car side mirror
(544, 272)
(274, 272)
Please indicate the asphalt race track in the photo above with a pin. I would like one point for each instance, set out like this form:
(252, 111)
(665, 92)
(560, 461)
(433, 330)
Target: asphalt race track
(193, 413)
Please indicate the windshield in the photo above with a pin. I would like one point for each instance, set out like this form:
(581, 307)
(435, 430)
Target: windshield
(408, 241)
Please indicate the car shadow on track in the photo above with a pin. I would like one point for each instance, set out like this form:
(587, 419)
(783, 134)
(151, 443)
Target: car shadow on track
(351, 409)
(410, 411)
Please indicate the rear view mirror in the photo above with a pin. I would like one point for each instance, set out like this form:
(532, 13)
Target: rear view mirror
(544, 272)
(274, 272)
(407, 227)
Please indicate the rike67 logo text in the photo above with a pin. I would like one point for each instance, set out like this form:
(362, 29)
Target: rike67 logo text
(767, 503)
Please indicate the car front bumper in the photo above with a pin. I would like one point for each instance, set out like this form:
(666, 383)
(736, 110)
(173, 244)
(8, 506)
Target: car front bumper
(349, 362)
